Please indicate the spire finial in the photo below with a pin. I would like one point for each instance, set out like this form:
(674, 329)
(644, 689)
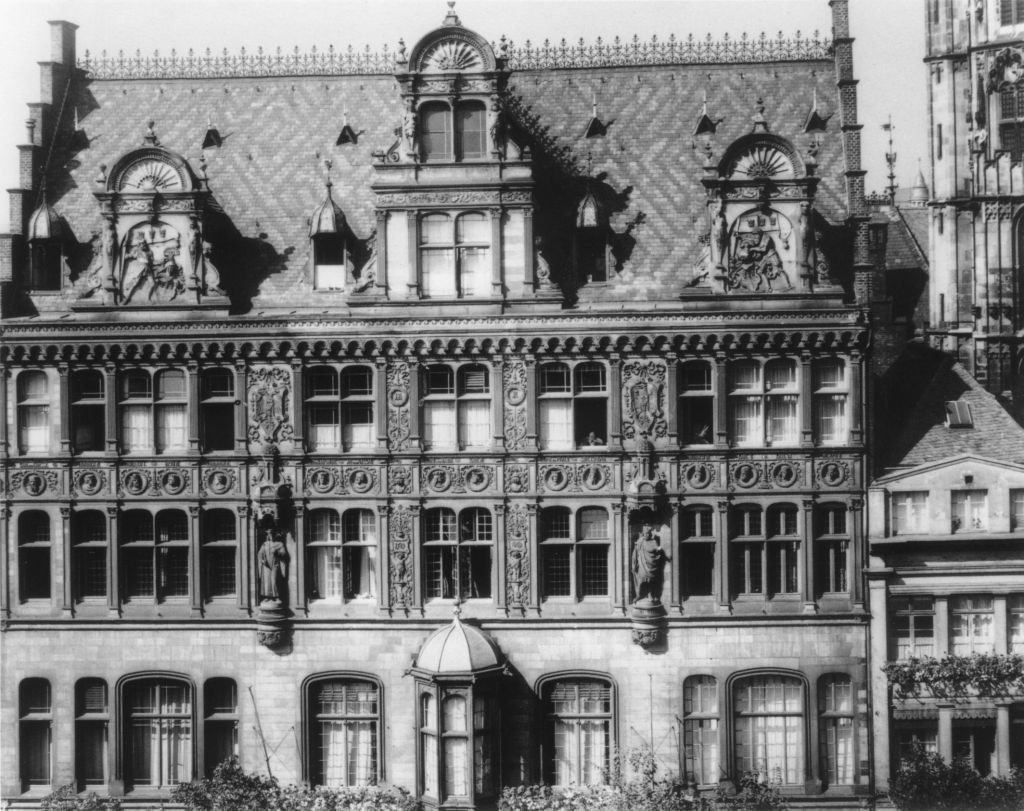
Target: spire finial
(593, 105)
(328, 163)
(451, 18)
(890, 161)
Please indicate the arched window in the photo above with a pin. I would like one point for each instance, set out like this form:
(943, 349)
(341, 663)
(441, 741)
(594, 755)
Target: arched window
(88, 410)
(219, 549)
(697, 551)
(769, 728)
(35, 714)
(33, 412)
(89, 555)
(92, 716)
(217, 409)
(701, 763)
(158, 729)
(34, 555)
(457, 555)
(343, 724)
(837, 740)
(579, 730)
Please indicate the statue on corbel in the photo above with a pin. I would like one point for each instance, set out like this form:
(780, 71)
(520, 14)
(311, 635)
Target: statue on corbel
(1007, 70)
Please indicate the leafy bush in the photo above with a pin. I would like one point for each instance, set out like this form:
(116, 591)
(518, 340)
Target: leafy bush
(66, 798)
(925, 782)
(232, 789)
(752, 795)
(985, 674)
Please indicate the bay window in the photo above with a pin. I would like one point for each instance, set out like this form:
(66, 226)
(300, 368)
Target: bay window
(970, 511)
(700, 730)
(972, 625)
(217, 409)
(574, 553)
(154, 556)
(835, 714)
(33, 392)
(35, 742)
(219, 550)
(158, 717)
(457, 554)
(830, 401)
(91, 733)
(344, 730)
(913, 620)
(89, 555)
(456, 416)
(455, 255)
(88, 410)
(697, 552)
(579, 730)
(696, 403)
(339, 408)
(769, 728)
(34, 555)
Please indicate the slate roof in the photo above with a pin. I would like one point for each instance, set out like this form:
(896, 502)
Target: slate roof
(923, 436)
(268, 174)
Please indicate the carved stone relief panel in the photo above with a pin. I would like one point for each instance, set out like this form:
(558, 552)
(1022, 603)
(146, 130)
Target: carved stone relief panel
(514, 386)
(517, 565)
(643, 399)
(173, 481)
(35, 482)
(453, 478)
(697, 475)
(517, 478)
(832, 472)
(269, 399)
(400, 561)
(218, 481)
(89, 482)
(135, 481)
(576, 476)
(401, 479)
(399, 415)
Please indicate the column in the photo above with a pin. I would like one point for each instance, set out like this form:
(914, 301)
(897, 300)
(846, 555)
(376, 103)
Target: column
(64, 384)
(113, 564)
(672, 549)
(380, 401)
(534, 547)
(299, 561)
(807, 558)
(1003, 738)
(615, 406)
(498, 569)
(855, 557)
(879, 685)
(381, 247)
(946, 732)
(856, 406)
(620, 542)
(296, 415)
(67, 605)
(414, 405)
(498, 403)
(497, 287)
(195, 563)
(941, 627)
(417, 559)
(531, 404)
(110, 390)
(529, 281)
(4, 375)
(721, 398)
(244, 556)
(722, 554)
(241, 417)
(5, 575)
(413, 239)
(384, 558)
(672, 398)
(806, 401)
(193, 407)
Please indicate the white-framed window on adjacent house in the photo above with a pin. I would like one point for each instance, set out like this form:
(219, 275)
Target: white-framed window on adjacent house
(830, 401)
(455, 255)
(972, 624)
(1015, 623)
(913, 627)
(969, 510)
(33, 412)
(701, 742)
(456, 407)
(1017, 510)
(909, 512)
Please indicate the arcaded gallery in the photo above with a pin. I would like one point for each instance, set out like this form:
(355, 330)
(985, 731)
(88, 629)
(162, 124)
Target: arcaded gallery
(455, 416)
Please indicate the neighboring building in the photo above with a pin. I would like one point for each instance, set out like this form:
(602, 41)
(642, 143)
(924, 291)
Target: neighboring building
(304, 355)
(946, 523)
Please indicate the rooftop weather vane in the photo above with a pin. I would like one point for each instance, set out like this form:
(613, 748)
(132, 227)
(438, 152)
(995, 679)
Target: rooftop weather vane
(890, 161)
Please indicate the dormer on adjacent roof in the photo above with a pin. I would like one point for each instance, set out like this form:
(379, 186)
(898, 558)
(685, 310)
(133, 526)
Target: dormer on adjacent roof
(45, 238)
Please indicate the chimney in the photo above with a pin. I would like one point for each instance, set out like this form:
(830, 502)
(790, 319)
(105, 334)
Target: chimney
(62, 42)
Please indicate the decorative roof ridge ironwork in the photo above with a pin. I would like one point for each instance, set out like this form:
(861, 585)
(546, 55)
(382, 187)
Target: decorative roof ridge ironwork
(617, 52)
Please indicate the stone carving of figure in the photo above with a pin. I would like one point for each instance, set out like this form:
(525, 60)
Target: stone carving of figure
(541, 267)
(168, 277)
(805, 235)
(496, 127)
(211, 276)
(648, 565)
(109, 253)
(195, 253)
(409, 129)
(757, 263)
(273, 562)
(720, 234)
(138, 269)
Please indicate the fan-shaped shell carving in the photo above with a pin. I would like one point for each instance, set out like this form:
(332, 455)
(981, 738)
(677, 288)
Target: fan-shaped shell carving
(761, 161)
(453, 55)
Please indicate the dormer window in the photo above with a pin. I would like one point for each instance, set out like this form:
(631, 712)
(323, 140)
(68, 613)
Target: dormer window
(45, 249)
(455, 255)
(329, 262)
(591, 240)
(458, 133)
(958, 415)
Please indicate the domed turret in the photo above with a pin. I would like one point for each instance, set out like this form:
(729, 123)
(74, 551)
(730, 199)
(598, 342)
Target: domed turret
(44, 224)
(457, 648)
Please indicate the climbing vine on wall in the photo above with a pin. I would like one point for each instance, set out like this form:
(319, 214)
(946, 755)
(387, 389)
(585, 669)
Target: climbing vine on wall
(983, 674)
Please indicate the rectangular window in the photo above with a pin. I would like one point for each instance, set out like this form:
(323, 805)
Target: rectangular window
(556, 424)
(159, 734)
(437, 277)
(837, 730)
(439, 424)
(91, 719)
(170, 428)
(831, 563)
(34, 428)
(1015, 623)
(783, 567)
(1017, 510)
(136, 429)
(358, 426)
(324, 432)
(435, 131)
(909, 513)
(913, 621)
(557, 571)
(593, 571)
(35, 712)
(970, 510)
(745, 420)
(221, 723)
(475, 423)
(972, 625)
(782, 420)
(907, 736)
(472, 131)
(579, 713)
(700, 730)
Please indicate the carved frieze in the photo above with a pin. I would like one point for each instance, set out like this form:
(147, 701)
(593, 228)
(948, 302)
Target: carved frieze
(218, 481)
(517, 478)
(643, 399)
(517, 565)
(513, 377)
(697, 475)
(347, 479)
(399, 416)
(453, 198)
(89, 482)
(35, 482)
(269, 396)
(574, 476)
(452, 478)
(400, 562)
(832, 472)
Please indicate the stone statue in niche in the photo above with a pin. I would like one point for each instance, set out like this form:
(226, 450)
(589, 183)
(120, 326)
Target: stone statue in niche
(195, 252)
(541, 267)
(273, 559)
(496, 126)
(648, 566)
(755, 263)
(720, 233)
(805, 235)
(409, 129)
(209, 275)
(109, 256)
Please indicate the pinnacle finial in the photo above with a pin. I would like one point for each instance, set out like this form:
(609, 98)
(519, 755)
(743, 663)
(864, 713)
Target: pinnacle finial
(451, 18)
(150, 137)
(329, 164)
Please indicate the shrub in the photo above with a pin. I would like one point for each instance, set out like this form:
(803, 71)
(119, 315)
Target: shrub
(66, 798)
(925, 782)
(752, 794)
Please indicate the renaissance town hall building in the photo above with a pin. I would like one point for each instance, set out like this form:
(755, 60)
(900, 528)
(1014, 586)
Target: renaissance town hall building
(453, 417)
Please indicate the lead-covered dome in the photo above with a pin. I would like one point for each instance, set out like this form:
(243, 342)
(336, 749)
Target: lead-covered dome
(458, 648)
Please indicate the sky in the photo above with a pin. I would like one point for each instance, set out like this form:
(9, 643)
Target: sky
(888, 50)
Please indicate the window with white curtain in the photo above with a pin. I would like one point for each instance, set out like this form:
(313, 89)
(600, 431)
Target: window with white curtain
(909, 513)
(170, 411)
(153, 411)
(324, 555)
(764, 403)
(428, 743)
(359, 554)
(769, 728)
(829, 403)
(835, 713)
(701, 763)
(35, 714)
(339, 408)
(970, 511)
(579, 715)
(159, 724)
(781, 401)
(913, 627)
(457, 553)
(555, 412)
(455, 255)
(33, 412)
(344, 732)
(972, 624)
(456, 416)
(1015, 622)
(439, 427)
(474, 407)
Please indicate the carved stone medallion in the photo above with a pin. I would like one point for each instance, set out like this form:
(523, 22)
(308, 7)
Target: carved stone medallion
(440, 478)
(476, 478)
(832, 472)
(219, 481)
(35, 482)
(321, 480)
(744, 474)
(89, 482)
(173, 481)
(697, 475)
(556, 477)
(135, 482)
(360, 479)
(784, 474)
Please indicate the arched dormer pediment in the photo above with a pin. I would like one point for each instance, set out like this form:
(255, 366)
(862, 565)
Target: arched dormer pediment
(452, 49)
(149, 170)
(761, 156)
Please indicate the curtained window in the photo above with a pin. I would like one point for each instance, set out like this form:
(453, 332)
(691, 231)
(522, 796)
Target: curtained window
(769, 728)
(33, 412)
(580, 731)
(700, 730)
(159, 733)
(835, 712)
(344, 730)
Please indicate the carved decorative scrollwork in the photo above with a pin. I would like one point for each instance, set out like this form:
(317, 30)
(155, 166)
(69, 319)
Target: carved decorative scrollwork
(35, 482)
(400, 537)
(399, 418)
(269, 393)
(643, 399)
(517, 478)
(514, 385)
(517, 565)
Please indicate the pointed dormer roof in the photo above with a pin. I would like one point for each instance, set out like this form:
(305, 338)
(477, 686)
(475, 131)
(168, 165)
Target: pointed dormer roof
(45, 223)
(328, 218)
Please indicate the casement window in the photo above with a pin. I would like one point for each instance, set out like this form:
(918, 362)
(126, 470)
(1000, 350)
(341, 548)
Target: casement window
(974, 745)
(456, 416)
(832, 544)
(831, 392)
(344, 731)
(159, 725)
(1011, 117)
(35, 741)
(909, 735)
(783, 549)
(746, 532)
(696, 403)
(339, 409)
(342, 555)
(764, 403)
(33, 412)
(34, 540)
(837, 741)
(1011, 12)
(765, 555)
(457, 554)
(972, 625)
(701, 764)
(447, 134)
(88, 411)
(969, 511)
(913, 627)
(330, 259)
(573, 406)
(697, 552)
(154, 556)
(1015, 623)
(219, 551)
(92, 720)
(909, 513)
(455, 255)
(768, 725)
(220, 722)
(89, 555)
(217, 410)
(579, 731)
(574, 553)
(457, 745)
(1017, 510)
(153, 411)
